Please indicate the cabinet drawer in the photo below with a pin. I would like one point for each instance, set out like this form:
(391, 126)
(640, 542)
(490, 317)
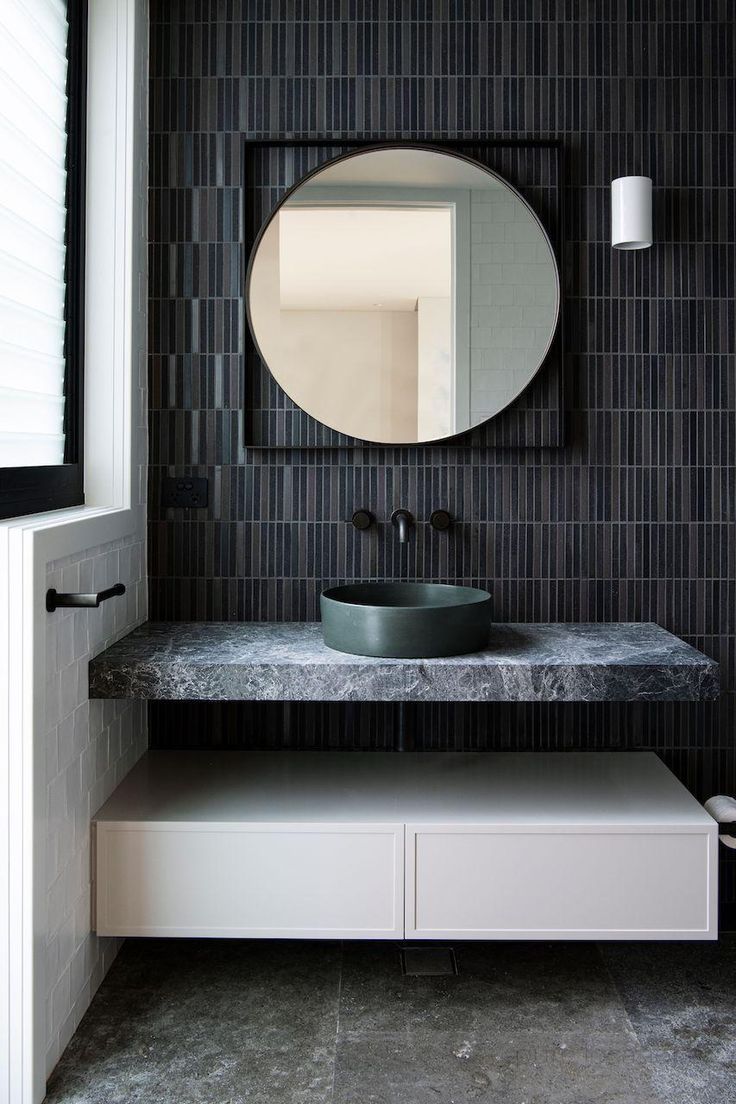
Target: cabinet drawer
(271, 880)
(474, 882)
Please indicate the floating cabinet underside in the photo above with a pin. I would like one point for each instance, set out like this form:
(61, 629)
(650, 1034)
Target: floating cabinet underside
(427, 846)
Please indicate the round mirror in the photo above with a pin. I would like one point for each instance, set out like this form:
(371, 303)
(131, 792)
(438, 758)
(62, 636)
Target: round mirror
(403, 294)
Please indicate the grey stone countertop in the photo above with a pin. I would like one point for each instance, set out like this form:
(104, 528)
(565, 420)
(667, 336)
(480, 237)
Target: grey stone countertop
(263, 661)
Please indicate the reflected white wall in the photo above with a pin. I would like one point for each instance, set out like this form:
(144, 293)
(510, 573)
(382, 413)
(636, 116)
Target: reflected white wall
(435, 368)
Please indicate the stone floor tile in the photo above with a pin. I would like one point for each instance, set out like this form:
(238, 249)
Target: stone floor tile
(681, 1001)
(522, 985)
(186, 1036)
(492, 1067)
(655, 977)
(278, 1022)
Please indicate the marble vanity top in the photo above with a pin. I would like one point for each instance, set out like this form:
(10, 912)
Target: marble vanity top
(263, 661)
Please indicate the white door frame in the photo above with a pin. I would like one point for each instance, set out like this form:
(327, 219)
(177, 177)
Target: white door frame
(458, 202)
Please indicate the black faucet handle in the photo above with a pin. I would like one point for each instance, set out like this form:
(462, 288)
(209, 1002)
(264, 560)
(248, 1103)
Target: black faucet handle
(362, 519)
(440, 520)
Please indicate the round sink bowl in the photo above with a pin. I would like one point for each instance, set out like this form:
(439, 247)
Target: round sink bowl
(405, 620)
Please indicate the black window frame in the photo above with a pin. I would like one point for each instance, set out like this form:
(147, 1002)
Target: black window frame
(31, 490)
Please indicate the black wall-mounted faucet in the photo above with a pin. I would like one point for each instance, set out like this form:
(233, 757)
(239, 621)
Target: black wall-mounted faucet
(403, 521)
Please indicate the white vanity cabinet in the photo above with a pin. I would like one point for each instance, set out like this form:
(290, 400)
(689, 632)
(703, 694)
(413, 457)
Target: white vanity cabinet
(477, 882)
(248, 844)
(422, 846)
(304, 881)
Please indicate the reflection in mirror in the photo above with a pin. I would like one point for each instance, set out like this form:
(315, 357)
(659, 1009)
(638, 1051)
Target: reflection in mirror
(403, 295)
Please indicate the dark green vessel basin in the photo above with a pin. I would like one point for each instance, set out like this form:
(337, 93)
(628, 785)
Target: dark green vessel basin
(405, 620)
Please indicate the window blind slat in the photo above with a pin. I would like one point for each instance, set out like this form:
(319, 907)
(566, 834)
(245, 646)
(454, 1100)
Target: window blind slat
(39, 372)
(31, 450)
(48, 15)
(28, 117)
(27, 286)
(31, 330)
(40, 27)
(30, 412)
(31, 160)
(21, 197)
(45, 69)
(16, 236)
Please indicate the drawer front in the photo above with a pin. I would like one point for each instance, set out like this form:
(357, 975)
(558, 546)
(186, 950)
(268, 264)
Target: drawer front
(474, 883)
(303, 881)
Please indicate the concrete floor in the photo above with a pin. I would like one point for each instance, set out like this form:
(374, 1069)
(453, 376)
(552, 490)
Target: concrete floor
(225, 1022)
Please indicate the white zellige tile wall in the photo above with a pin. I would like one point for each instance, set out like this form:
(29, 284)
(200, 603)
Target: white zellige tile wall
(90, 747)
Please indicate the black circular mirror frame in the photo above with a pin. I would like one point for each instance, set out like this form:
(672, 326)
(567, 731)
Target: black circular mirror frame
(368, 147)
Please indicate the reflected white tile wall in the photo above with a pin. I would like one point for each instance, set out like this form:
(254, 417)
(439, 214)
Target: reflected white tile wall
(512, 301)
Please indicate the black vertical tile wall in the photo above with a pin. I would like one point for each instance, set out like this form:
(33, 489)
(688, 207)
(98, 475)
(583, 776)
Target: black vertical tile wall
(633, 519)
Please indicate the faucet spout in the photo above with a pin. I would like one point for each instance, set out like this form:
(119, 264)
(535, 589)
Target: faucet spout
(403, 521)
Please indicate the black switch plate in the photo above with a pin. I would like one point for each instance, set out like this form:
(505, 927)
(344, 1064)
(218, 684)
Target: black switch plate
(189, 491)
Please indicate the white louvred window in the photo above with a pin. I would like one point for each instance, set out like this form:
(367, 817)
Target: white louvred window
(33, 111)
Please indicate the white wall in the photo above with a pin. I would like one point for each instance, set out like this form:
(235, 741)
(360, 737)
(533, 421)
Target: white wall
(362, 380)
(513, 300)
(435, 386)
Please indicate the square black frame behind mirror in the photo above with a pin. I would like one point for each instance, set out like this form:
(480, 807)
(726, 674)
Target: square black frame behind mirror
(534, 166)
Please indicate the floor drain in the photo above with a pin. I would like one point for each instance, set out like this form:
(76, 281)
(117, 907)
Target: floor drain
(428, 961)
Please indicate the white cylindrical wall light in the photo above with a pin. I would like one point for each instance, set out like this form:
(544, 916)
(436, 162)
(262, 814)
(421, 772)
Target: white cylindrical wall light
(631, 212)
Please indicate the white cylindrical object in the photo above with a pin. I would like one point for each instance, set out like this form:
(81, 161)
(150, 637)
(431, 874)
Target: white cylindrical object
(723, 809)
(631, 212)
